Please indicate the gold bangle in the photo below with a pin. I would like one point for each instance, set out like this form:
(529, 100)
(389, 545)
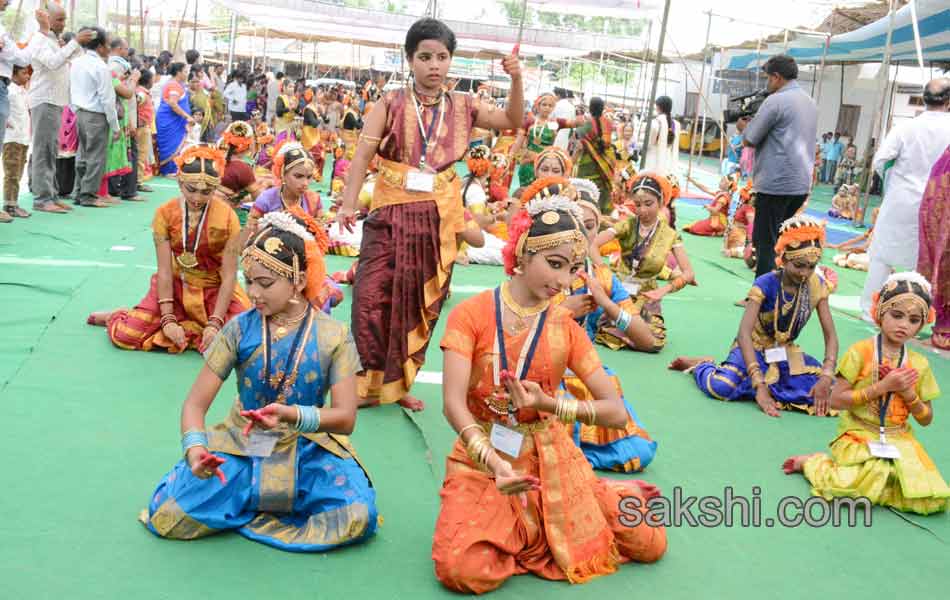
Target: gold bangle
(166, 301)
(591, 413)
(467, 427)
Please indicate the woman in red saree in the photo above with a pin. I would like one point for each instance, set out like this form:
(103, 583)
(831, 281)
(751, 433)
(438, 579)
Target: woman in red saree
(409, 239)
(525, 499)
(933, 260)
(195, 291)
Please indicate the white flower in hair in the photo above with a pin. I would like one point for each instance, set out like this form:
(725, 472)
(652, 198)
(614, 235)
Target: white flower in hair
(910, 277)
(286, 222)
(801, 220)
(561, 203)
(586, 185)
(290, 146)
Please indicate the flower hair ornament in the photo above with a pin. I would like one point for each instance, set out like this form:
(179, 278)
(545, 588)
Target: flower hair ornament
(288, 155)
(201, 166)
(314, 248)
(909, 291)
(479, 161)
(587, 190)
(551, 211)
(799, 236)
(549, 187)
(238, 135)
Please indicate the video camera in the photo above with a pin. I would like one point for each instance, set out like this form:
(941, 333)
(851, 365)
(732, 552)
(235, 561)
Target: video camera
(744, 106)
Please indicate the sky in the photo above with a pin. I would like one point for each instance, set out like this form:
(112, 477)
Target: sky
(687, 21)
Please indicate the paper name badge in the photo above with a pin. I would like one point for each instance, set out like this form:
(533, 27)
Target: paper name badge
(417, 181)
(774, 355)
(506, 440)
(262, 443)
(632, 287)
(883, 450)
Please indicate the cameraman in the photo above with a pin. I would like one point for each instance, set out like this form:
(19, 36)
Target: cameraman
(783, 133)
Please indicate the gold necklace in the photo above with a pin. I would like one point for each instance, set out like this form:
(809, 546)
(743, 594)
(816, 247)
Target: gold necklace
(423, 98)
(284, 324)
(521, 311)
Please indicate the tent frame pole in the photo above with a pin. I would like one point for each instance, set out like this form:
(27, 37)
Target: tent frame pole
(879, 116)
(656, 80)
(702, 85)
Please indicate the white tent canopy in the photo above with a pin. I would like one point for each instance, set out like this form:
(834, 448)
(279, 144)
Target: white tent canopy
(867, 43)
(315, 21)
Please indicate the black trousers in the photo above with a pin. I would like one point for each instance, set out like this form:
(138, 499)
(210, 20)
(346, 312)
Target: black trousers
(126, 186)
(770, 211)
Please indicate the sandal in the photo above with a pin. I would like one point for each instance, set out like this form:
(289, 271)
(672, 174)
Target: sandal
(5, 217)
(62, 204)
(50, 208)
(16, 211)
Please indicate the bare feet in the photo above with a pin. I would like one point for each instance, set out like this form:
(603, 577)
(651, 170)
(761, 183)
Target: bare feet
(99, 318)
(412, 403)
(795, 464)
(685, 363)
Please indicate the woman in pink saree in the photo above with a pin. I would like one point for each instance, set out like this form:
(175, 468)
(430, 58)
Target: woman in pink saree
(933, 260)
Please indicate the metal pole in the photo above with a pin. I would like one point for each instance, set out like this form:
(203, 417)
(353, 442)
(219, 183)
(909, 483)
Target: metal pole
(128, 22)
(178, 32)
(702, 86)
(253, 48)
(264, 57)
(142, 26)
(72, 15)
(231, 44)
(824, 55)
(194, 35)
(656, 79)
(878, 117)
(642, 82)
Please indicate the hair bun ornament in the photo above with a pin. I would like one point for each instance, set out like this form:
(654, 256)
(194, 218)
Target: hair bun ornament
(285, 222)
(588, 187)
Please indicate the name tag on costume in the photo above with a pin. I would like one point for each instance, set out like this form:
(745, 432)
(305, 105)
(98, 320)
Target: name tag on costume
(262, 443)
(777, 354)
(506, 440)
(632, 287)
(419, 181)
(883, 450)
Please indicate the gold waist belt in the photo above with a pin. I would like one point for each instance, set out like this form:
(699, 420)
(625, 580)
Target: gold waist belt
(876, 427)
(396, 175)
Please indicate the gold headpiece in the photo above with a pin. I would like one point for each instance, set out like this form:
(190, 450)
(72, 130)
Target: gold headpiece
(551, 212)
(908, 290)
(201, 166)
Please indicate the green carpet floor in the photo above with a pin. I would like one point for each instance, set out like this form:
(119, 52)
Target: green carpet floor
(90, 429)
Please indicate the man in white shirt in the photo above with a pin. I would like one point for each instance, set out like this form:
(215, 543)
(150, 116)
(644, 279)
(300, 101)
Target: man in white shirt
(564, 109)
(93, 97)
(273, 90)
(49, 93)
(9, 53)
(912, 147)
(236, 95)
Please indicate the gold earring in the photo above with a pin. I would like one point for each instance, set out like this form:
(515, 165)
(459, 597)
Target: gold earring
(294, 299)
(518, 270)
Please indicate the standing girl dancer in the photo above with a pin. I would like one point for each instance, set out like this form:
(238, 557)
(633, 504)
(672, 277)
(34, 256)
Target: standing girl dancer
(409, 239)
